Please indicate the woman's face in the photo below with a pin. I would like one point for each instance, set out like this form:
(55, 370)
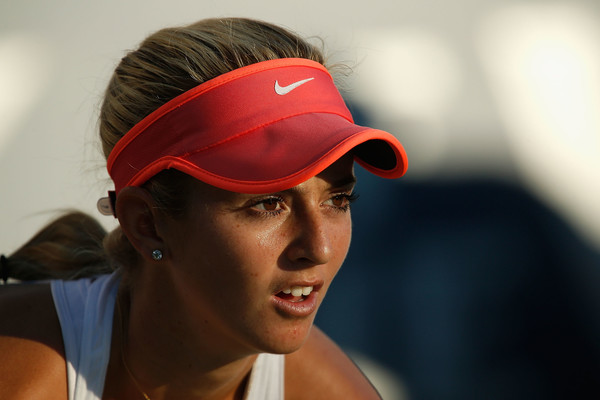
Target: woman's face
(252, 270)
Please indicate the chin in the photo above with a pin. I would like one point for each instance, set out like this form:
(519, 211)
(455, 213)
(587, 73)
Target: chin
(285, 340)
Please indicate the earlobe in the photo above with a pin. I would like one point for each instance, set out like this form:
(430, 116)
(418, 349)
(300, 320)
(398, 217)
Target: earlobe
(139, 220)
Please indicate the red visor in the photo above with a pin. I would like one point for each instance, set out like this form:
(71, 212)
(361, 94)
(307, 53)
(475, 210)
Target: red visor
(257, 129)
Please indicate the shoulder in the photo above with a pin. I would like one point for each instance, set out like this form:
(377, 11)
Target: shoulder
(31, 350)
(321, 370)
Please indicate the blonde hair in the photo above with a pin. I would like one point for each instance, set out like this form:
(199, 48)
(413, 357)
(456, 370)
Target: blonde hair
(69, 247)
(166, 64)
(174, 60)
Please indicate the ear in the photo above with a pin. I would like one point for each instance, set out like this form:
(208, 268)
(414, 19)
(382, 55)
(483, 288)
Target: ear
(139, 220)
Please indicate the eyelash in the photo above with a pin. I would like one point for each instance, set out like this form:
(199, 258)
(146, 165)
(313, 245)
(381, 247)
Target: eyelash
(268, 200)
(349, 199)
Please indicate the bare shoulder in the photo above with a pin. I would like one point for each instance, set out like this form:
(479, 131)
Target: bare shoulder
(32, 363)
(321, 370)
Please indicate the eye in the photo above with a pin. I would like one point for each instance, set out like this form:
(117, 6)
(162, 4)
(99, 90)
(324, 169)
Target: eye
(270, 205)
(342, 201)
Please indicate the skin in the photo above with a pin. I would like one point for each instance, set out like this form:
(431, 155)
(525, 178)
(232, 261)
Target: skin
(206, 309)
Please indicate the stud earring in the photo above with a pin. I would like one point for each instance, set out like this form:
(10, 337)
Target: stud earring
(157, 255)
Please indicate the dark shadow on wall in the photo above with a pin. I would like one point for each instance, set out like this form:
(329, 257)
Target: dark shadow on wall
(470, 290)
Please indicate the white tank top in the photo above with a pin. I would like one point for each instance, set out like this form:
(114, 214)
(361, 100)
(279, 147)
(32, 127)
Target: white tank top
(85, 310)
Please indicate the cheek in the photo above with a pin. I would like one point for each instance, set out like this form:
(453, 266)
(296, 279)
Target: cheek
(270, 239)
(340, 240)
(236, 258)
(206, 256)
(344, 238)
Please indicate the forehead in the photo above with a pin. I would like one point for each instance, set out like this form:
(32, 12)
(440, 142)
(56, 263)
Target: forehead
(340, 173)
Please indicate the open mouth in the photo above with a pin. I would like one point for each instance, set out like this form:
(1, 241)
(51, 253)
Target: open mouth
(295, 294)
(297, 301)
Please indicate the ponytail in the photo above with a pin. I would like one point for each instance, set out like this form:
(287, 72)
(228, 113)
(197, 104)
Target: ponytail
(69, 247)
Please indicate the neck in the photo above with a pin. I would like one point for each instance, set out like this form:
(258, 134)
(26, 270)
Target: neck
(165, 361)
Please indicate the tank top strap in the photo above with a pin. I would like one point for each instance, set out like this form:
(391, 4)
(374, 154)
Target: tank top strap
(85, 310)
(267, 378)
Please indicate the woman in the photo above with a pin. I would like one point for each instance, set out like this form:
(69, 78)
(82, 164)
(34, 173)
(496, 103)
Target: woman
(232, 156)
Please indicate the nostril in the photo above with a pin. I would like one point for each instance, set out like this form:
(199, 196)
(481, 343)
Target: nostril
(311, 252)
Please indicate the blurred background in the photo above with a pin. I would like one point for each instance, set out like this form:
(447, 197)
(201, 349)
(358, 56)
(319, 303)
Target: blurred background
(474, 277)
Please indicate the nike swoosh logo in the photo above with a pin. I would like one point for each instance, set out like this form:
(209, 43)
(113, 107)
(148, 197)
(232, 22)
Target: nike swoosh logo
(283, 90)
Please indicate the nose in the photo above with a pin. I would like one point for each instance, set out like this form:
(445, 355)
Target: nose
(312, 237)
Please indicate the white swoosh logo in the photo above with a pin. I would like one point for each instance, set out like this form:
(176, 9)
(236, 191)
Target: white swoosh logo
(283, 90)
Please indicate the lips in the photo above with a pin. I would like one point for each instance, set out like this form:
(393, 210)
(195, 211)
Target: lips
(299, 300)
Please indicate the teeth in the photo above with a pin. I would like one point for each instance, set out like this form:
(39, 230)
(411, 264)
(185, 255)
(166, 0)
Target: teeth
(306, 290)
(298, 290)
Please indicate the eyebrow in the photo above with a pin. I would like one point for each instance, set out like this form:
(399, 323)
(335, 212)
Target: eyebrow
(348, 180)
